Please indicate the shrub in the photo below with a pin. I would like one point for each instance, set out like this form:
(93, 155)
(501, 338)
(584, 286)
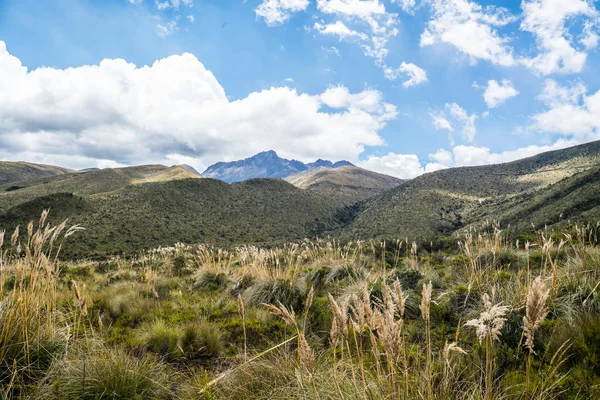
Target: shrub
(408, 278)
(180, 266)
(201, 341)
(212, 281)
(272, 292)
(109, 374)
(161, 339)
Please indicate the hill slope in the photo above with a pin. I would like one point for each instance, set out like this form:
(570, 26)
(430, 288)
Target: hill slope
(23, 171)
(257, 211)
(88, 183)
(344, 185)
(445, 201)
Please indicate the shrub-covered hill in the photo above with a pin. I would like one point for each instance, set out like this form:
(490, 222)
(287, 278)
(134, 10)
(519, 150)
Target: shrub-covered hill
(445, 201)
(344, 185)
(257, 211)
(89, 183)
(22, 171)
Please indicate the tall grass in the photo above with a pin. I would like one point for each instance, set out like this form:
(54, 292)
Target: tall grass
(312, 320)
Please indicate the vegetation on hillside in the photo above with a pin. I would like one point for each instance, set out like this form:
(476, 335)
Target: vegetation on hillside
(488, 318)
(11, 172)
(344, 185)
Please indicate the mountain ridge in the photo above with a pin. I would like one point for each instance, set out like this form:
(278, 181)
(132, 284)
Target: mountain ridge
(266, 164)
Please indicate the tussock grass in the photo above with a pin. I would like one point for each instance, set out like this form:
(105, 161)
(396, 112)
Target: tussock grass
(490, 318)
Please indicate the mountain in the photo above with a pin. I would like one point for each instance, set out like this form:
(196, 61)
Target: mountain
(531, 190)
(22, 171)
(345, 184)
(263, 165)
(189, 168)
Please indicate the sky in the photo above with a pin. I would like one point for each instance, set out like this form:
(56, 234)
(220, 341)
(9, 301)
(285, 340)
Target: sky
(401, 87)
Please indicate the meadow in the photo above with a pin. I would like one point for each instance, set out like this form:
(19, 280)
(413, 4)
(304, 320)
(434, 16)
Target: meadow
(486, 316)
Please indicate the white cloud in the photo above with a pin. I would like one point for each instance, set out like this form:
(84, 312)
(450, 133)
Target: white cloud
(191, 18)
(276, 12)
(375, 25)
(404, 166)
(497, 93)
(471, 29)
(455, 115)
(135, 2)
(416, 75)
(408, 166)
(115, 112)
(440, 121)
(571, 112)
(546, 20)
(407, 6)
(163, 5)
(462, 156)
(589, 38)
(339, 29)
(167, 29)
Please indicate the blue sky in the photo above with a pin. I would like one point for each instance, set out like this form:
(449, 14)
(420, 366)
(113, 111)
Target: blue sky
(401, 87)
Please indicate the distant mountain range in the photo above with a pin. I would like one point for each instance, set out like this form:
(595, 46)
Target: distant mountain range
(125, 210)
(264, 165)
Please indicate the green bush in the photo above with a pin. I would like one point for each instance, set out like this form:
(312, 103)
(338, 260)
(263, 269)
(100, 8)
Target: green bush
(161, 339)
(201, 341)
(109, 374)
(273, 292)
(212, 281)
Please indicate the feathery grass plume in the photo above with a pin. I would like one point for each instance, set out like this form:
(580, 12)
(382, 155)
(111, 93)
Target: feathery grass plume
(339, 326)
(449, 348)
(399, 298)
(536, 311)
(488, 327)
(14, 237)
(288, 316)
(490, 321)
(425, 313)
(426, 301)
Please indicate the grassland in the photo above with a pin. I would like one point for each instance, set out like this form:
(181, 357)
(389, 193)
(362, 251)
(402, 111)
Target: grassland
(487, 318)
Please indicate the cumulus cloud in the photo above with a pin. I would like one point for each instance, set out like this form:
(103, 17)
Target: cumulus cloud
(470, 28)
(276, 12)
(408, 166)
(497, 93)
(404, 166)
(118, 113)
(570, 111)
(416, 75)
(462, 156)
(455, 115)
(546, 20)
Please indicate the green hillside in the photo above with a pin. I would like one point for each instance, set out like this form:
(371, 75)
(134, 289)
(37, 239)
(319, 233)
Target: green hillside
(22, 171)
(344, 185)
(88, 183)
(258, 211)
(445, 201)
(129, 209)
